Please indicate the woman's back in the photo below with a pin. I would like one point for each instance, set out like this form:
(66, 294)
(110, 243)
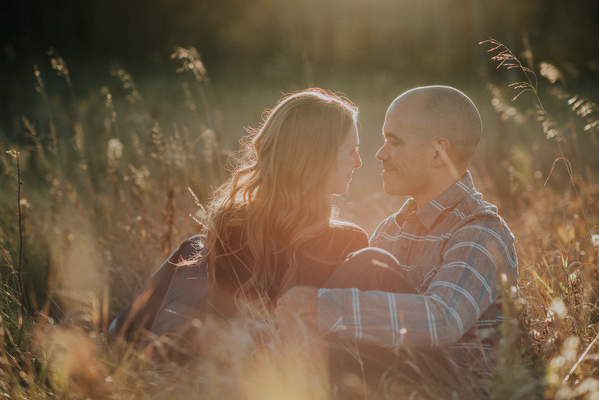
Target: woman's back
(314, 261)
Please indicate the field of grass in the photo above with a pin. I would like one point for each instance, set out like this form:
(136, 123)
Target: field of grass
(112, 178)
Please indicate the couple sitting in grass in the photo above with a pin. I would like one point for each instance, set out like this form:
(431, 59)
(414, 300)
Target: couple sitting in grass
(422, 293)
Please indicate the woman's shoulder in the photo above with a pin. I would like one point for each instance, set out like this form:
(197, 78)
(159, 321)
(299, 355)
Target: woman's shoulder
(347, 231)
(346, 226)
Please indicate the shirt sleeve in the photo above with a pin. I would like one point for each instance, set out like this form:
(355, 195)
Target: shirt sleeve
(464, 287)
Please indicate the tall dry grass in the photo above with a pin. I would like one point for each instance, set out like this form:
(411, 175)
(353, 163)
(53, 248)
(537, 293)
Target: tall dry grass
(106, 195)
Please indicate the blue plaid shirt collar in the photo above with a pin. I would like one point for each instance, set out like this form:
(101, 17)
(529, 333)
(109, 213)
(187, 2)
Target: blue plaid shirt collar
(433, 210)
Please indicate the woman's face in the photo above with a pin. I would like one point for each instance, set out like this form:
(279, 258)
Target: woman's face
(348, 159)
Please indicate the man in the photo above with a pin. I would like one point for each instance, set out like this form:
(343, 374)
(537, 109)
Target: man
(450, 244)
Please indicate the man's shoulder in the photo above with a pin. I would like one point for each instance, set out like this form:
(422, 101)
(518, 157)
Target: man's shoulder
(473, 207)
(385, 223)
(473, 204)
(385, 231)
(473, 210)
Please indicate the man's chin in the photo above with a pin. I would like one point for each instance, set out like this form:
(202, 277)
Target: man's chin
(390, 190)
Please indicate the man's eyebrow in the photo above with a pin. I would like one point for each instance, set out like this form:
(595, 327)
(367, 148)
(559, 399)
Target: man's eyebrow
(390, 135)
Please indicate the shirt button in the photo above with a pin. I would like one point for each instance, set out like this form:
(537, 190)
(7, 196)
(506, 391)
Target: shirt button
(404, 246)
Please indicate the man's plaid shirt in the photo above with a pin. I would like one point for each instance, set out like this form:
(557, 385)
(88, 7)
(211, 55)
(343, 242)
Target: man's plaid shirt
(455, 251)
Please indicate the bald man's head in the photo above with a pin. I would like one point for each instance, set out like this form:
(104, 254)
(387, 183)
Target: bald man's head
(442, 112)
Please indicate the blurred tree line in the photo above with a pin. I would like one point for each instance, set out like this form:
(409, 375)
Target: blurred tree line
(277, 37)
(256, 41)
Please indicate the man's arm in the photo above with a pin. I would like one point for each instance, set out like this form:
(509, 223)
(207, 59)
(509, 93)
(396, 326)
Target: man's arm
(464, 287)
(297, 308)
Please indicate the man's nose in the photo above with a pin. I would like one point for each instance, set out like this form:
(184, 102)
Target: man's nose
(383, 153)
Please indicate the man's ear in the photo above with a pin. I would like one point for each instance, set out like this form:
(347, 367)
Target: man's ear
(442, 158)
(442, 148)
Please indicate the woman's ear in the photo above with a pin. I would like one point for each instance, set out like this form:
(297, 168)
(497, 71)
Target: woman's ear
(442, 157)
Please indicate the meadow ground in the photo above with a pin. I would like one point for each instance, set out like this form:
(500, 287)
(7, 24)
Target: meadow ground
(114, 175)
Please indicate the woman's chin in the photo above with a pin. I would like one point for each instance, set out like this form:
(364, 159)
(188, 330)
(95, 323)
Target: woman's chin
(341, 191)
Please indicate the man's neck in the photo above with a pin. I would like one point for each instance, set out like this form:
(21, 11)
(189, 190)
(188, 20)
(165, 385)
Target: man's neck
(441, 186)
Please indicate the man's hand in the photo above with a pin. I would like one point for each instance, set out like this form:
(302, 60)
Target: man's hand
(297, 311)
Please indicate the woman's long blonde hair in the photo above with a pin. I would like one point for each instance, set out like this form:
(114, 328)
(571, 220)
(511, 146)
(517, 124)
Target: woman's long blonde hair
(277, 198)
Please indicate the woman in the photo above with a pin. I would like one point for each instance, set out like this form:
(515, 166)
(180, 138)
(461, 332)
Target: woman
(271, 225)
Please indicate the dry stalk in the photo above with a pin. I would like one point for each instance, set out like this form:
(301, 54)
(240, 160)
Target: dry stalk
(40, 89)
(506, 59)
(17, 155)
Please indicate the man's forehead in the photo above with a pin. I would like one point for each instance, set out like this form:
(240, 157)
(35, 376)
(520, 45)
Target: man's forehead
(399, 113)
(406, 111)
(391, 128)
(408, 103)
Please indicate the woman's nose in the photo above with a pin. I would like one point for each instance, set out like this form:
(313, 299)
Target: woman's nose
(357, 160)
